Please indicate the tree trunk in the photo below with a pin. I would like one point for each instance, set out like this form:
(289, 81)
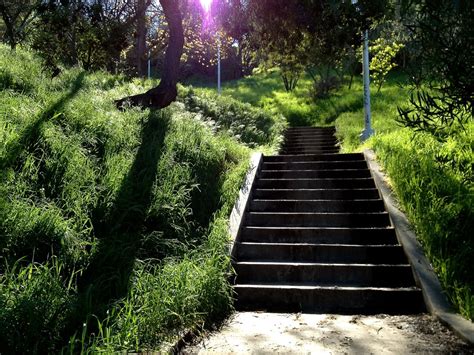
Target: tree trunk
(165, 93)
(141, 37)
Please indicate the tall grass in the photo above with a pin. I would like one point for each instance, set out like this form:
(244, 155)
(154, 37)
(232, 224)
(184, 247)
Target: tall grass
(113, 225)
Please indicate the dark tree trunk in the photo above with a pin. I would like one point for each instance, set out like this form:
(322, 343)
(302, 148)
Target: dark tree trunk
(165, 93)
(141, 37)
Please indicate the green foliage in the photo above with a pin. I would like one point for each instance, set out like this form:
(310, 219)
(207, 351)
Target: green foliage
(248, 124)
(119, 219)
(35, 303)
(383, 53)
(435, 182)
(442, 33)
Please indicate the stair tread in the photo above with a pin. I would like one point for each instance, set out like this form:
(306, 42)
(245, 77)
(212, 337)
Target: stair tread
(322, 245)
(316, 200)
(320, 213)
(313, 264)
(299, 286)
(322, 228)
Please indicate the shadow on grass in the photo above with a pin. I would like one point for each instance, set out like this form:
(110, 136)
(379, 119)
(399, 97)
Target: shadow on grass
(31, 133)
(119, 231)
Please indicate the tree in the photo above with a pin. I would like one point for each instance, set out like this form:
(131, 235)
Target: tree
(165, 93)
(92, 34)
(310, 34)
(442, 34)
(17, 15)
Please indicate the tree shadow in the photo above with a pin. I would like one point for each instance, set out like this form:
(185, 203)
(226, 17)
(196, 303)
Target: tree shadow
(30, 135)
(119, 229)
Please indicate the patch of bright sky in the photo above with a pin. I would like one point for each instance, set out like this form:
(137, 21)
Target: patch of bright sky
(206, 5)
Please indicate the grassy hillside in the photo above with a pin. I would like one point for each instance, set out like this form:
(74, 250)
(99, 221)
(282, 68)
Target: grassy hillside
(434, 181)
(113, 225)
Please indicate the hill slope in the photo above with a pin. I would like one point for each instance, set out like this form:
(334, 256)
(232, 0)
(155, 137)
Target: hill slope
(113, 225)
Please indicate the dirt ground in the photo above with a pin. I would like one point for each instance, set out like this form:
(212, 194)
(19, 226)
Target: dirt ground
(267, 333)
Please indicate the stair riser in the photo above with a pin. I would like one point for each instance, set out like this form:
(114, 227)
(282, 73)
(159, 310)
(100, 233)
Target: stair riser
(317, 206)
(305, 129)
(320, 151)
(315, 184)
(297, 144)
(308, 142)
(312, 134)
(311, 174)
(315, 165)
(317, 220)
(342, 274)
(322, 253)
(330, 301)
(314, 157)
(370, 236)
(338, 194)
(310, 150)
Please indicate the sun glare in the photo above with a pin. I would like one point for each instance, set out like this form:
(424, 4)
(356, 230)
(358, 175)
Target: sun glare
(206, 5)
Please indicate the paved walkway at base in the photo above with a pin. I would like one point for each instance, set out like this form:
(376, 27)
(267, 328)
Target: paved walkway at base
(269, 333)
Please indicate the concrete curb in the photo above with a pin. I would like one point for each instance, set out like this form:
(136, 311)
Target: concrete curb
(238, 212)
(435, 300)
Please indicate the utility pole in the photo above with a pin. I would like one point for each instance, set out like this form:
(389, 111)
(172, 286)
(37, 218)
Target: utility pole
(219, 89)
(149, 64)
(368, 131)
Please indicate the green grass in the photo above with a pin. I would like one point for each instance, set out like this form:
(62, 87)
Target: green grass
(434, 181)
(113, 225)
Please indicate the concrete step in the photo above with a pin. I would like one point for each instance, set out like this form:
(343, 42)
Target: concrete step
(299, 145)
(329, 299)
(323, 132)
(329, 274)
(309, 141)
(355, 183)
(308, 128)
(322, 253)
(307, 174)
(313, 165)
(299, 219)
(317, 151)
(354, 206)
(310, 149)
(319, 235)
(315, 194)
(314, 157)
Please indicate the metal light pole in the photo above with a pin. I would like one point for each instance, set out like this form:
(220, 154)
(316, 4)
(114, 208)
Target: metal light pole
(368, 131)
(149, 64)
(219, 90)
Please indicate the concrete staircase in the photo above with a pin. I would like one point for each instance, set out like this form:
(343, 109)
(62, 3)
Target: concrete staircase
(316, 236)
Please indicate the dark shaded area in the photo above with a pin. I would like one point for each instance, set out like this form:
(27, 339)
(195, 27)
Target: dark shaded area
(42, 240)
(119, 230)
(30, 134)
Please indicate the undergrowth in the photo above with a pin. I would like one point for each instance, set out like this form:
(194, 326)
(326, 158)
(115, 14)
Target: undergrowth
(113, 225)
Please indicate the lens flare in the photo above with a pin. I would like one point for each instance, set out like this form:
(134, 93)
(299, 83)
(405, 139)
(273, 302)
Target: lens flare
(206, 5)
